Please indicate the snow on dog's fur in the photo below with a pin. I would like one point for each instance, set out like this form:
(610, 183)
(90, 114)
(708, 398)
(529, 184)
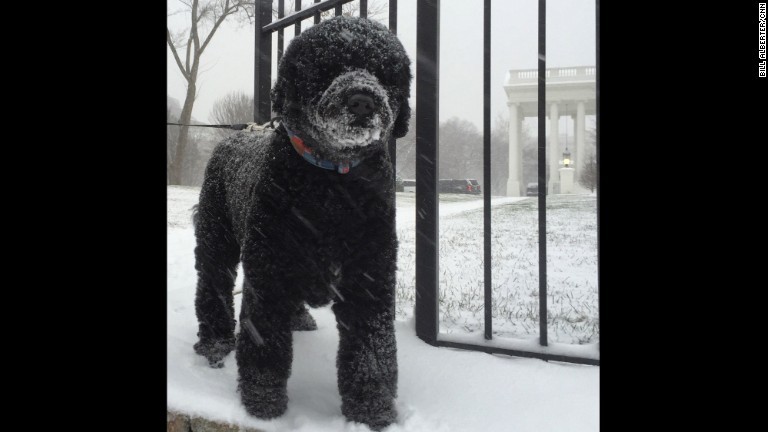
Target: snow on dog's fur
(305, 233)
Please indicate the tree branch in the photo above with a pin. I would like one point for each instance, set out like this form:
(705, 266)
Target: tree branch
(205, 10)
(224, 14)
(193, 30)
(176, 55)
(189, 48)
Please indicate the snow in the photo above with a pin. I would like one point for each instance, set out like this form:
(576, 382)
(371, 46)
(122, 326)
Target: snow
(440, 389)
(571, 269)
(530, 344)
(462, 204)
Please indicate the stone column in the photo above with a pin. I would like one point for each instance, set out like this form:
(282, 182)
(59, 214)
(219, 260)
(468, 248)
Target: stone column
(520, 119)
(554, 149)
(515, 150)
(581, 156)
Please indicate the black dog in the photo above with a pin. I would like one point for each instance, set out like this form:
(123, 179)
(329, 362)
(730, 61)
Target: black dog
(309, 210)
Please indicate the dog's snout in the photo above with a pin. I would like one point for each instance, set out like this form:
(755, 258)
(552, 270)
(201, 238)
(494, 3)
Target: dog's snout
(361, 104)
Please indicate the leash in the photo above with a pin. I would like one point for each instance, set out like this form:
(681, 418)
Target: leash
(251, 126)
(302, 146)
(232, 126)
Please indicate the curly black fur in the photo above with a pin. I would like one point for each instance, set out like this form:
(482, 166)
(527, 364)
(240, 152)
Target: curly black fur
(305, 234)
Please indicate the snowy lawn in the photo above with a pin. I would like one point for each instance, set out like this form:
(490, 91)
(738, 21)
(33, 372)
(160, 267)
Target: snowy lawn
(571, 263)
(440, 389)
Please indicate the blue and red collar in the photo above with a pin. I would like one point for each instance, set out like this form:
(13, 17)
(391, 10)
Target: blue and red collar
(303, 149)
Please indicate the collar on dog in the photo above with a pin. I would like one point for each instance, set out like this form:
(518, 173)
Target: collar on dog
(303, 149)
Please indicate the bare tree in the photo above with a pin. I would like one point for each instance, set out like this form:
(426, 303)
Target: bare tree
(234, 108)
(460, 149)
(588, 176)
(500, 154)
(406, 151)
(205, 19)
(530, 150)
(172, 137)
(199, 144)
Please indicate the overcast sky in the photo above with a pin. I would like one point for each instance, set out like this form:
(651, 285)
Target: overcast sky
(227, 64)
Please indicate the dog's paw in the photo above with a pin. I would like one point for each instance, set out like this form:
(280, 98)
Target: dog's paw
(215, 351)
(264, 402)
(303, 321)
(376, 413)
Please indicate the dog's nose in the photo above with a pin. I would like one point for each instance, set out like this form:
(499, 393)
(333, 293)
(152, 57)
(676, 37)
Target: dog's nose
(361, 104)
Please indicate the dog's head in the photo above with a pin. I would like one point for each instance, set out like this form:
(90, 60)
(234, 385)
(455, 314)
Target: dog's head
(345, 84)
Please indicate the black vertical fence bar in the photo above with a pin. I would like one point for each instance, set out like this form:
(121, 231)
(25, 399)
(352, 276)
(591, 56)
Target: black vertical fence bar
(317, 15)
(297, 28)
(542, 165)
(364, 8)
(393, 28)
(597, 146)
(393, 16)
(263, 58)
(427, 82)
(487, 165)
(338, 10)
(280, 40)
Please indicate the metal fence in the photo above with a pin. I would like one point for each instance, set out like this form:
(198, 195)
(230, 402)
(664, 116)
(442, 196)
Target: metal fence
(427, 239)
(427, 123)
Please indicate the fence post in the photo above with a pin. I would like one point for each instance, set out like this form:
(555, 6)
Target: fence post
(542, 165)
(262, 106)
(392, 144)
(427, 75)
(488, 291)
(597, 147)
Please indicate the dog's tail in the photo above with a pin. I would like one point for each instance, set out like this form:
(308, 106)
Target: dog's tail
(195, 217)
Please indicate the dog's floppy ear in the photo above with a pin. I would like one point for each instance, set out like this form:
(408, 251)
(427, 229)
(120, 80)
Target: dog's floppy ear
(284, 98)
(278, 96)
(403, 118)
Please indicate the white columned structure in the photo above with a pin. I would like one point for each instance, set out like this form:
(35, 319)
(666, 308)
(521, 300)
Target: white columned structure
(580, 127)
(515, 151)
(569, 85)
(553, 185)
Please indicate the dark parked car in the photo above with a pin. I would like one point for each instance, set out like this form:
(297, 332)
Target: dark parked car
(532, 189)
(409, 185)
(462, 186)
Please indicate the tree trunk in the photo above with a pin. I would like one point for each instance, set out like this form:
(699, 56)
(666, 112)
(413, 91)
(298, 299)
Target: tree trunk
(177, 165)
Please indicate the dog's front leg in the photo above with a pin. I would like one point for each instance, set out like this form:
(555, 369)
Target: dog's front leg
(216, 257)
(367, 358)
(264, 344)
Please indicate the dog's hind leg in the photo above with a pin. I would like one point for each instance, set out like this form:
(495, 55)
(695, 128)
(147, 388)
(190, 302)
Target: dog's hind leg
(216, 257)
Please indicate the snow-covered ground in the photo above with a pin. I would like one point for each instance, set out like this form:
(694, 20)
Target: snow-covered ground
(571, 266)
(440, 389)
